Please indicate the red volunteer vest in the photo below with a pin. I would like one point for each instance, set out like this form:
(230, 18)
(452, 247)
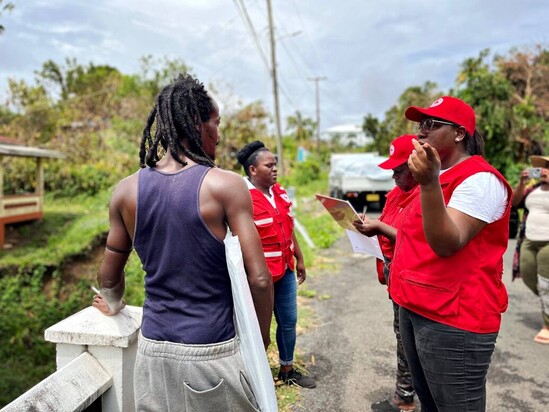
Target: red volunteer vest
(397, 199)
(465, 290)
(275, 227)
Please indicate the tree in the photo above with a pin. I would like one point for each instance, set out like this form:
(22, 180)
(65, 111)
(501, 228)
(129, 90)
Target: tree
(35, 116)
(8, 7)
(90, 89)
(528, 72)
(394, 123)
(155, 73)
(85, 100)
(303, 128)
(510, 99)
(241, 125)
(489, 93)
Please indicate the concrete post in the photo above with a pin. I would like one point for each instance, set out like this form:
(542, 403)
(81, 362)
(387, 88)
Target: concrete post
(112, 340)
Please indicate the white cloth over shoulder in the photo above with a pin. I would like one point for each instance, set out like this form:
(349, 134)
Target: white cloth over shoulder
(253, 353)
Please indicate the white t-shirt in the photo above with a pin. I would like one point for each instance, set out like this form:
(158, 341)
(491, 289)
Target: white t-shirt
(482, 196)
(537, 223)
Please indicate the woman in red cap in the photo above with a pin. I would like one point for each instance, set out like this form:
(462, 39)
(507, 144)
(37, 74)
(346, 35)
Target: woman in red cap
(446, 274)
(385, 227)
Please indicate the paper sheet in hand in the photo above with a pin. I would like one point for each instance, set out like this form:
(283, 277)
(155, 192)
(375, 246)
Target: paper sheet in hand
(365, 244)
(341, 210)
(344, 214)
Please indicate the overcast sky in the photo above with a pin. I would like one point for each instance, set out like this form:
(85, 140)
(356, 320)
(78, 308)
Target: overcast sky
(368, 51)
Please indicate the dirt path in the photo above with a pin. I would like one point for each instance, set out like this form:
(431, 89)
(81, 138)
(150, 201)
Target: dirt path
(351, 349)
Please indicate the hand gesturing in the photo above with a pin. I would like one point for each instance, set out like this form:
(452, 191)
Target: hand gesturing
(424, 163)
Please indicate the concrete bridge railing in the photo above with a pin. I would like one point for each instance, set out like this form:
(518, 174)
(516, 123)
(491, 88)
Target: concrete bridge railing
(95, 359)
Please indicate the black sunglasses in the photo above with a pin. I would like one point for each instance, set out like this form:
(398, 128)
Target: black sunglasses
(427, 125)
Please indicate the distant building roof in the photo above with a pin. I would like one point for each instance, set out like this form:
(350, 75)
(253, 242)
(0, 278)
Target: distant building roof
(346, 134)
(344, 128)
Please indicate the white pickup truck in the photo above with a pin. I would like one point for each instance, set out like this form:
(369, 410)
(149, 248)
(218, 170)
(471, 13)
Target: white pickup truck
(356, 177)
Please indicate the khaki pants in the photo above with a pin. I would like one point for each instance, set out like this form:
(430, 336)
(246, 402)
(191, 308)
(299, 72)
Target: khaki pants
(177, 377)
(534, 268)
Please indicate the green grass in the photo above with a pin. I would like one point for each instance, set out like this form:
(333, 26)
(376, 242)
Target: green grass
(289, 395)
(33, 294)
(70, 228)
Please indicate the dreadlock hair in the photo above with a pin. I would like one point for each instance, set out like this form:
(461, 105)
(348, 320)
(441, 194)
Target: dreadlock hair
(179, 110)
(248, 154)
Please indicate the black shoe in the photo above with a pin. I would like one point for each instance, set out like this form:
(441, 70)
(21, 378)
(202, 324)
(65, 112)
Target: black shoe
(294, 377)
(388, 406)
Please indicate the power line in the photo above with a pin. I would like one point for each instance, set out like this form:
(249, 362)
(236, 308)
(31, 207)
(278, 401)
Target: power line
(249, 25)
(303, 76)
(306, 31)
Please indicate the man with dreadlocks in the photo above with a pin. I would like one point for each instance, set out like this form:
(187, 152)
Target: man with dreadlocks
(174, 212)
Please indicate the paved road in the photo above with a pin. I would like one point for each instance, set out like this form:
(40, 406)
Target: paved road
(351, 349)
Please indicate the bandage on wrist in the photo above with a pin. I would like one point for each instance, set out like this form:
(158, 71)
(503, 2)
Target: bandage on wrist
(113, 296)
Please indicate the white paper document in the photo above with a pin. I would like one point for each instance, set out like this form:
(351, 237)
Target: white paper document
(364, 244)
(341, 210)
(344, 214)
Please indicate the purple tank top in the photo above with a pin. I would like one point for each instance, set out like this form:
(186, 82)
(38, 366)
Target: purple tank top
(187, 286)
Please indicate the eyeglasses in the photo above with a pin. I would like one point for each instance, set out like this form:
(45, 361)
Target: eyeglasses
(427, 125)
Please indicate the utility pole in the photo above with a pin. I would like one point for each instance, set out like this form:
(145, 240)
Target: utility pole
(275, 92)
(317, 94)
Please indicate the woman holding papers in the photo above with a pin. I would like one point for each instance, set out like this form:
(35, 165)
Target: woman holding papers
(274, 222)
(386, 228)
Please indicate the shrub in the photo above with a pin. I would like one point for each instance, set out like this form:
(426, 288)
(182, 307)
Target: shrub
(71, 179)
(305, 172)
(27, 309)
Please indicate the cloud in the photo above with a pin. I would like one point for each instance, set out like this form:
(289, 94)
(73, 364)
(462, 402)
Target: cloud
(369, 52)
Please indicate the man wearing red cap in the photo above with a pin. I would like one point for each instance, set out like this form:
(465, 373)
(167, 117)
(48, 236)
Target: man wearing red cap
(386, 229)
(446, 273)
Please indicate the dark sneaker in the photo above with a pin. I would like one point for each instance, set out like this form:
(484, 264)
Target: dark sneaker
(294, 377)
(388, 406)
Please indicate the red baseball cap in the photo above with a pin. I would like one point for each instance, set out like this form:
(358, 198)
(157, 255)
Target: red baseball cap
(399, 151)
(446, 108)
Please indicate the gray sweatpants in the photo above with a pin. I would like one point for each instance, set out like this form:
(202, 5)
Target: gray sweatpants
(177, 377)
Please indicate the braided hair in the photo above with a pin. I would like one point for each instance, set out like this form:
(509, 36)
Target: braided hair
(248, 154)
(179, 110)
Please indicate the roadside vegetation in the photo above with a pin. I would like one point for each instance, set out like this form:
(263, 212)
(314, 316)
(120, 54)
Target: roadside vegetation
(95, 114)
